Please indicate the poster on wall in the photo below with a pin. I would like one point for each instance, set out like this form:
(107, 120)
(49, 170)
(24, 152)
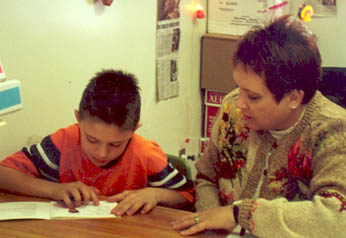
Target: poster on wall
(236, 17)
(323, 8)
(167, 47)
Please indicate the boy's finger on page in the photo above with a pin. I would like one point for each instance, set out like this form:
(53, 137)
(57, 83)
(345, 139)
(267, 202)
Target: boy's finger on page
(76, 197)
(60, 204)
(86, 195)
(121, 209)
(67, 201)
(96, 190)
(94, 198)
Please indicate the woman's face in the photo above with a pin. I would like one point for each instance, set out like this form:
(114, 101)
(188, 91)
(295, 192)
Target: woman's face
(260, 110)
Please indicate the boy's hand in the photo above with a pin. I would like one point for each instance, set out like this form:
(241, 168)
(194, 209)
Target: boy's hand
(131, 201)
(75, 194)
(214, 218)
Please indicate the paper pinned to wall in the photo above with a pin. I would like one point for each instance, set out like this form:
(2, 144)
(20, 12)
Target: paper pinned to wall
(236, 17)
(167, 48)
(323, 8)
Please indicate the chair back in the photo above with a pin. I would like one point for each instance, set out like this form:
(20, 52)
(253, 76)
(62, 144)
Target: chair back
(181, 165)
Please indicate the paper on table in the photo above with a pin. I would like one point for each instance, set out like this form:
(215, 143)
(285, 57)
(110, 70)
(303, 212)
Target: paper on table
(235, 234)
(48, 210)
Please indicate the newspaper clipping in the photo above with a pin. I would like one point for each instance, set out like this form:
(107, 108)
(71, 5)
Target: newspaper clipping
(167, 47)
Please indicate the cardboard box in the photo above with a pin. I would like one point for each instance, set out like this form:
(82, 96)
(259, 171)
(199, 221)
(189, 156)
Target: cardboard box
(216, 61)
(212, 100)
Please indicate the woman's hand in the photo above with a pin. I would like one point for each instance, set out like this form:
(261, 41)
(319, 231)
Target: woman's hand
(212, 219)
(131, 201)
(75, 194)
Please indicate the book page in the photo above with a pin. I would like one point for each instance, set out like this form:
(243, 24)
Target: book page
(86, 211)
(24, 210)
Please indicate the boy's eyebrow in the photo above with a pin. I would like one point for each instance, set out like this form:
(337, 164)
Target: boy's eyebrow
(113, 142)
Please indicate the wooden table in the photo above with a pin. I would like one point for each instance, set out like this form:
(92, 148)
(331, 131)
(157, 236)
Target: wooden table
(156, 224)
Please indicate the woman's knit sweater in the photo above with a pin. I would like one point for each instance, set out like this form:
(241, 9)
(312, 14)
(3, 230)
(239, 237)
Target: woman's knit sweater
(291, 187)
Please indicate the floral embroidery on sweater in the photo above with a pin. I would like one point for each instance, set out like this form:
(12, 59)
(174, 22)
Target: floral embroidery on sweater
(232, 133)
(225, 198)
(291, 181)
(337, 196)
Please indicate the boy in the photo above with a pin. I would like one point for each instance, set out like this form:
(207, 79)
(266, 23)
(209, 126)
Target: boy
(100, 155)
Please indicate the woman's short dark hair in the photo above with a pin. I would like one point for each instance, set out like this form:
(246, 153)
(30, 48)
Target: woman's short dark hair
(112, 96)
(285, 54)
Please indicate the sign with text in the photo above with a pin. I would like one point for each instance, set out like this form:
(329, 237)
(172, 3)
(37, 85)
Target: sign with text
(214, 97)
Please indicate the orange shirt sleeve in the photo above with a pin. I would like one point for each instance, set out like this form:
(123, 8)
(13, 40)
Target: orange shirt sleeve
(20, 162)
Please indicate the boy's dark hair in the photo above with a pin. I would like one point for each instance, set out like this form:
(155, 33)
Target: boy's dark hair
(112, 96)
(285, 53)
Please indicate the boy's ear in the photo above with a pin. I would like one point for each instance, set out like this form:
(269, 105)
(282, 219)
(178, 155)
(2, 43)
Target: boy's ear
(138, 126)
(76, 113)
(295, 98)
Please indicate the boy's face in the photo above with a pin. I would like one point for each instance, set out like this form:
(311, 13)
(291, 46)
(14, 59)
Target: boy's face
(102, 142)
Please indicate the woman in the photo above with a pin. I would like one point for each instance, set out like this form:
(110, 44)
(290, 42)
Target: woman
(276, 162)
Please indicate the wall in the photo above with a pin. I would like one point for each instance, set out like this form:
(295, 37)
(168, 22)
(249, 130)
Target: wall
(54, 47)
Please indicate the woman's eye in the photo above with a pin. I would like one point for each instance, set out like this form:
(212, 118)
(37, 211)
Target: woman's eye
(115, 145)
(253, 97)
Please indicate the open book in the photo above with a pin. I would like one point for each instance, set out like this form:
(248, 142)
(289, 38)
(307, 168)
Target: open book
(49, 210)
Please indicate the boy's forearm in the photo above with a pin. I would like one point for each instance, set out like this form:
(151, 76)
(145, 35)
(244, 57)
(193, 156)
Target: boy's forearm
(18, 182)
(170, 198)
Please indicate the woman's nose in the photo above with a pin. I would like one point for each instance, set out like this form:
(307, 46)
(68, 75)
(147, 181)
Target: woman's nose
(241, 104)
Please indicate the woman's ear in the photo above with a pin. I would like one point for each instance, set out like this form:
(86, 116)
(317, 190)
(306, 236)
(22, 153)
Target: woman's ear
(295, 99)
(76, 113)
